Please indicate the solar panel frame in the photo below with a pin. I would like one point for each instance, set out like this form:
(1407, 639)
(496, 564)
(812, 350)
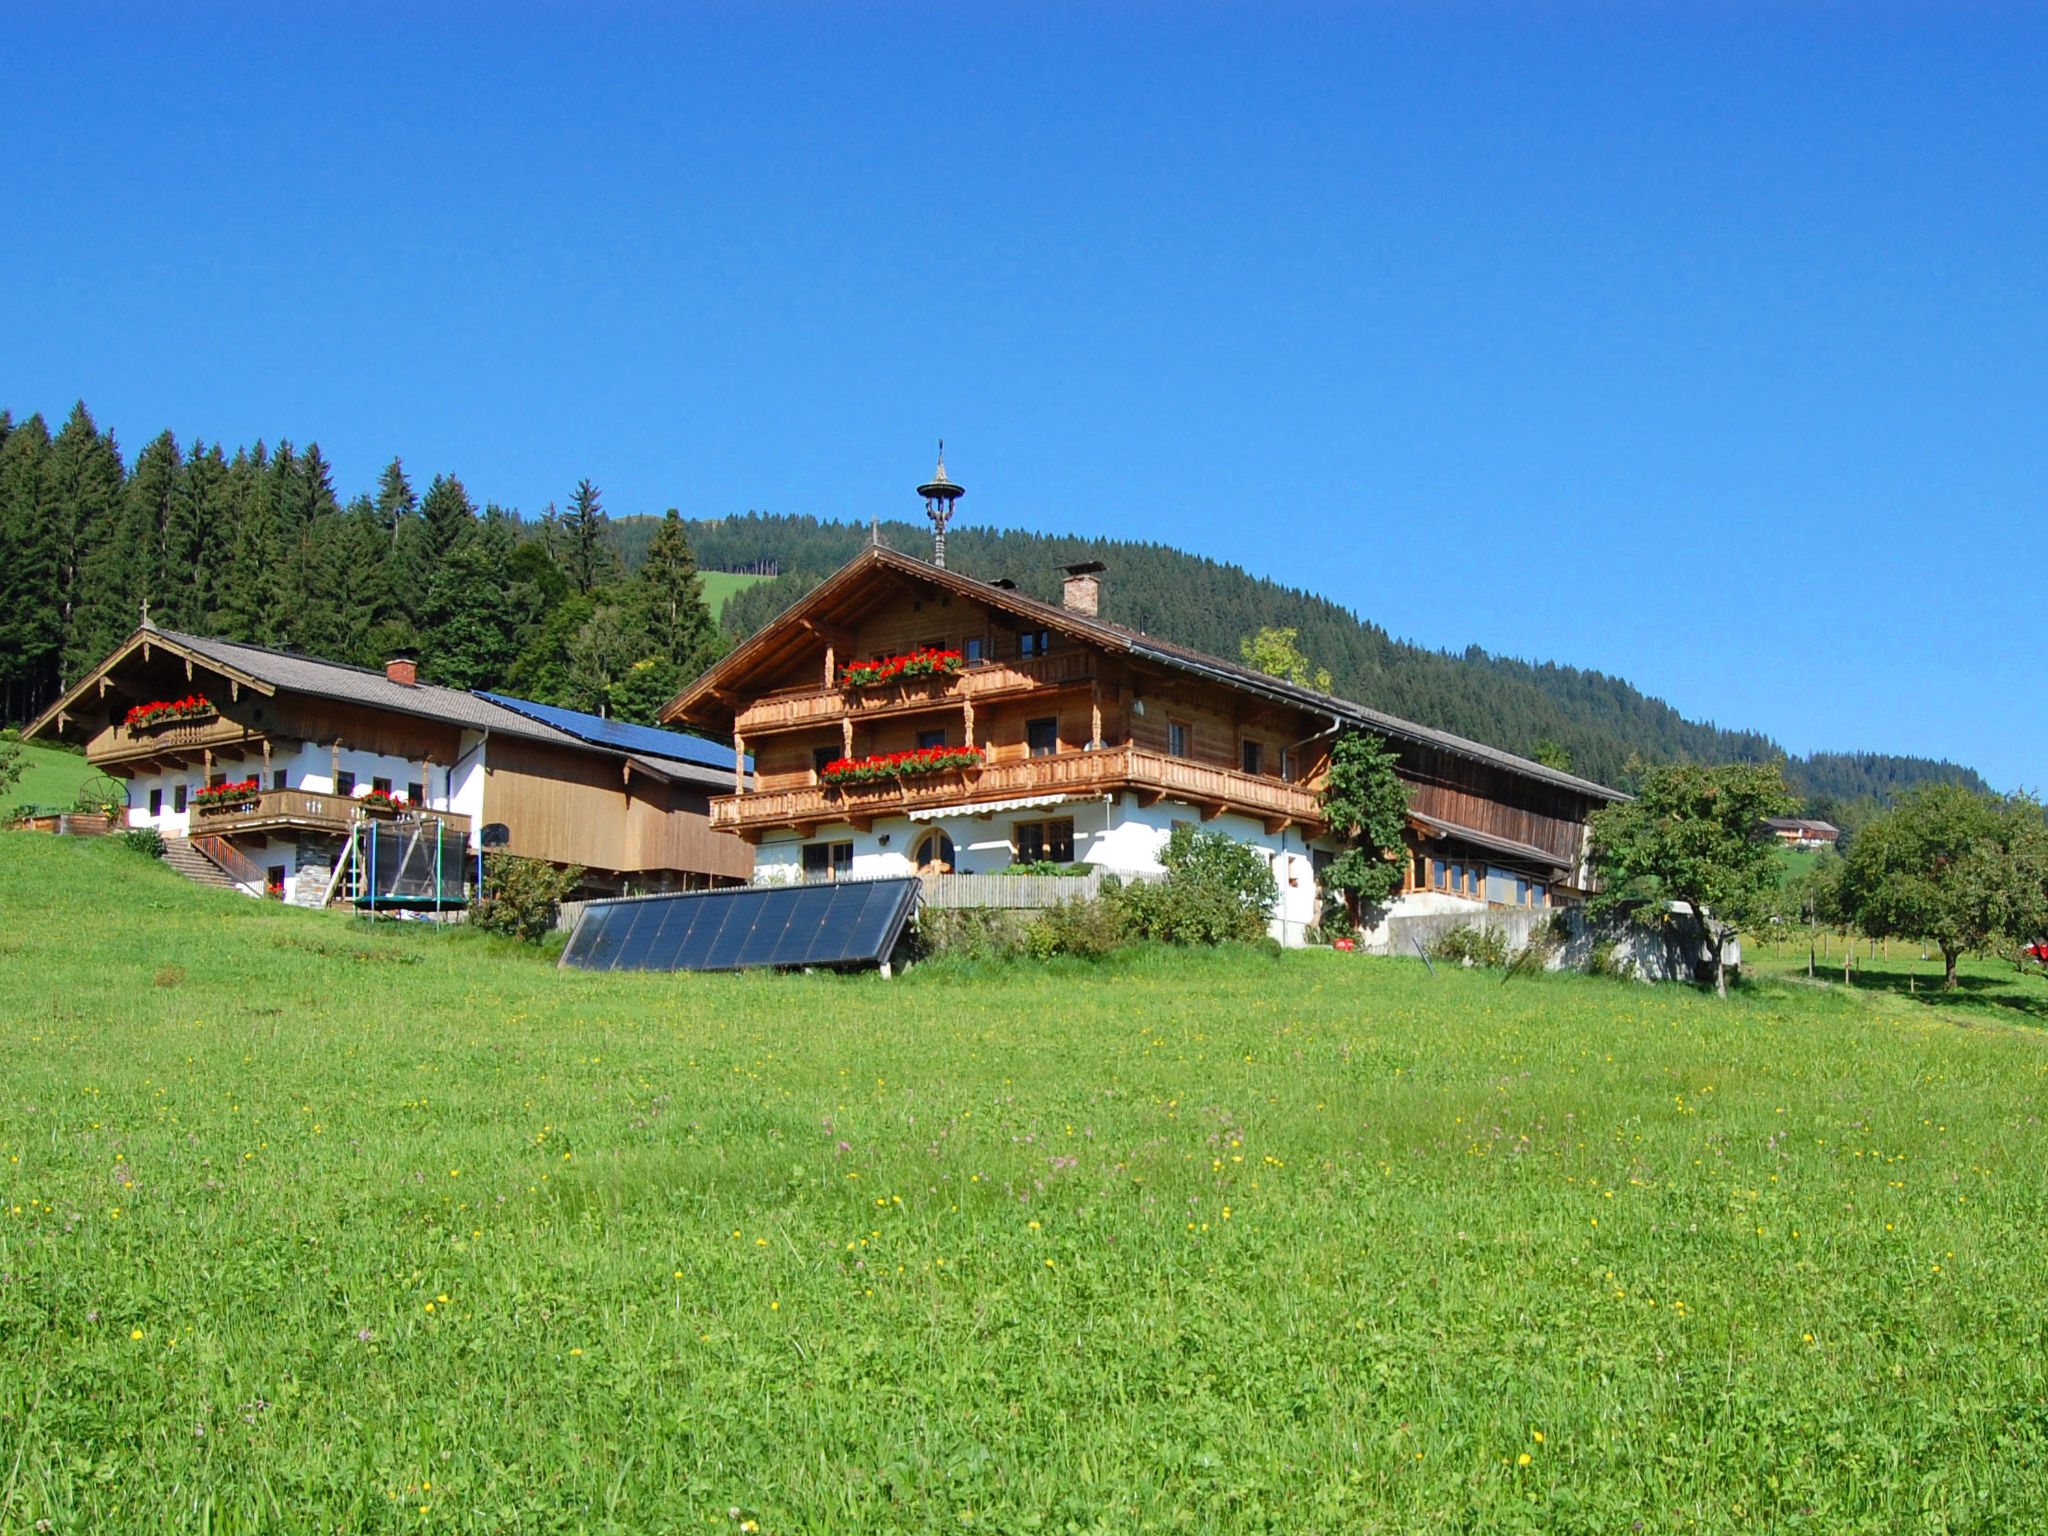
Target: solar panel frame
(850, 922)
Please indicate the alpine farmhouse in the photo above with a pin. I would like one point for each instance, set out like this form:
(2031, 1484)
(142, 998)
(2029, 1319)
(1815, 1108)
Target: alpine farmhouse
(905, 718)
(265, 762)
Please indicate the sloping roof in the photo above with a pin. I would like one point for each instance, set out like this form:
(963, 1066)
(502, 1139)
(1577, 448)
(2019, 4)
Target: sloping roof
(640, 740)
(717, 682)
(1507, 847)
(667, 754)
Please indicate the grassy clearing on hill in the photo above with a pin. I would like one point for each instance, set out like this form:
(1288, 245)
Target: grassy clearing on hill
(53, 779)
(720, 585)
(310, 1227)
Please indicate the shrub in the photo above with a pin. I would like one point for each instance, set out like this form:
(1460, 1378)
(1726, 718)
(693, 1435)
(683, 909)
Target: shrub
(522, 897)
(1467, 945)
(972, 933)
(145, 840)
(1075, 927)
(1216, 889)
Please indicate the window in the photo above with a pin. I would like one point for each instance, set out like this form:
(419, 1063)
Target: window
(972, 649)
(156, 802)
(1042, 737)
(934, 854)
(1179, 734)
(273, 881)
(178, 800)
(344, 783)
(278, 780)
(929, 739)
(1252, 756)
(1420, 879)
(823, 758)
(1040, 841)
(380, 786)
(416, 793)
(215, 780)
(827, 861)
(935, 645)
(1034, 642)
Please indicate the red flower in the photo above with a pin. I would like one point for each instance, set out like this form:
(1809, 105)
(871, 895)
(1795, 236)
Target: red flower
(187, 708)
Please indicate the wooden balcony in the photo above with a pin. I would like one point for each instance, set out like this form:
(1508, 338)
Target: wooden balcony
(179, 742)
(798, 708)
(1153, 776)
(302, 810)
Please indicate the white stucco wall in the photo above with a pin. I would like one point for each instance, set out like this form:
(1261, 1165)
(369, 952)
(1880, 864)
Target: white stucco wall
(1115, 834)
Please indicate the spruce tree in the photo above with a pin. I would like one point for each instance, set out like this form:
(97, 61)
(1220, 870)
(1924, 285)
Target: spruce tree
(95, 592)
(666, 600)
(469, 621)
(31, 628)
(587, 554)
(448, 514)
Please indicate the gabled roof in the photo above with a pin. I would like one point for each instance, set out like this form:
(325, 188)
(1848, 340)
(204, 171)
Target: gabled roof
(709, 696)
(663, 754)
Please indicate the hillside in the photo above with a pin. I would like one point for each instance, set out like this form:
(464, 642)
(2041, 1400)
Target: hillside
(1601, 721)
(316, 1217)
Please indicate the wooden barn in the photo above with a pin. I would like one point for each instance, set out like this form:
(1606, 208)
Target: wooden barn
(903, 717)
(264, 762)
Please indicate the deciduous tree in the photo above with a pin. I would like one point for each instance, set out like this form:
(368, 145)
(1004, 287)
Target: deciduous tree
(1694, 837)
(1367, 806)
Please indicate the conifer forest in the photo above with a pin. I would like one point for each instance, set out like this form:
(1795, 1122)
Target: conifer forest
(571, 606)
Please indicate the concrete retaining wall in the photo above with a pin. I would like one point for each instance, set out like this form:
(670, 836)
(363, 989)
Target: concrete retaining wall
(1671, 951)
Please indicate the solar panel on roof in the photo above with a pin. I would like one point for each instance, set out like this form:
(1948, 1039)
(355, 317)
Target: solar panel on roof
(649, 739)
(851, 922)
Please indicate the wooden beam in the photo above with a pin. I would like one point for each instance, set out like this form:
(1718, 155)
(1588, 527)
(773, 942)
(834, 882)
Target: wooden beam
(1148, 797)
(1277, 824)
(860, 821)
(1210, 809)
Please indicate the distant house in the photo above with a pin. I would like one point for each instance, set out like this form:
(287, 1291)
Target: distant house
(267, 760)
(1798, 832)
(906, 718)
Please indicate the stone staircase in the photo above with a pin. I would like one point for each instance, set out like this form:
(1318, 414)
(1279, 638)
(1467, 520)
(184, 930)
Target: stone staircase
(194, 865)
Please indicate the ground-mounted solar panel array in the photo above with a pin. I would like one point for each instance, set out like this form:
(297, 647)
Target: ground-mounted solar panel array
(849, 922)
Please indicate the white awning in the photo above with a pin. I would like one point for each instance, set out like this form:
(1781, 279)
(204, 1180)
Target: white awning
(990, 807)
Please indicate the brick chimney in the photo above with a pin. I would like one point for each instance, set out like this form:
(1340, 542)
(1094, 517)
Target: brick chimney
(403, 670)
(1082, 591)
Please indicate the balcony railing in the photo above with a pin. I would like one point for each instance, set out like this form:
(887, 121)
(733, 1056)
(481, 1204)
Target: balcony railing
(1105, 771)
(181, 738)
(275, 810)
(800, 707)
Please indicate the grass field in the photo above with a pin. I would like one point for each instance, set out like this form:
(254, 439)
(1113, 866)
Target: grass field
(52, 779)
(308, 1227)
(719, 585)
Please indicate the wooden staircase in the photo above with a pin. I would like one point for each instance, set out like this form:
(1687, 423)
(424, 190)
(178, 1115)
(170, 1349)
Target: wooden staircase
(189, 861)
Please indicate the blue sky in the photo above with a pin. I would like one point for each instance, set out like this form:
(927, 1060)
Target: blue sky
(1703, 344)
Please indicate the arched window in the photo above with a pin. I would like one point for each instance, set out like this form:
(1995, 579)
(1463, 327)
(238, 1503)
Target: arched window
(934, 854)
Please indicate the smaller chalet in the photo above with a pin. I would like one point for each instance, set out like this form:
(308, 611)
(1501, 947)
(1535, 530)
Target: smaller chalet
(268, 761)
(904, 719)
(1798, 832)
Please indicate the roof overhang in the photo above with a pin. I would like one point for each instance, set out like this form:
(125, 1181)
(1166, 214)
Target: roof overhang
(1505, 847)
(144, 642)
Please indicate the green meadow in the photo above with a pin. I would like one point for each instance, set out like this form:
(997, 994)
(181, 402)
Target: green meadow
(720, 585)
(52, 778)
(312, 1227)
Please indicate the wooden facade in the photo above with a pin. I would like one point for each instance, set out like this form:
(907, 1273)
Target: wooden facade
(1060, 704)
(316, 735)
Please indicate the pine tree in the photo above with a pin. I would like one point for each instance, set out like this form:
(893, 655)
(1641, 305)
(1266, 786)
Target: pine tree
(31, 626)
(448, 513)
(666, 601)
(95, 592)
(587, 554)
(395, 500)
(469, 622)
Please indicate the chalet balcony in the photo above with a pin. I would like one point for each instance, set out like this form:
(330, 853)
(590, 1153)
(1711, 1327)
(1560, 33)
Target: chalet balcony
(798, 708)
(175, 743)
(1151, 775)
(302, 810)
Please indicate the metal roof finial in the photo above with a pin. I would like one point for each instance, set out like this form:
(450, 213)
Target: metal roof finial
(939, 494)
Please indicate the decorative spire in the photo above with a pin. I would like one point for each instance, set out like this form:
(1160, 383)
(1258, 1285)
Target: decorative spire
(145, 615)
(939, 494)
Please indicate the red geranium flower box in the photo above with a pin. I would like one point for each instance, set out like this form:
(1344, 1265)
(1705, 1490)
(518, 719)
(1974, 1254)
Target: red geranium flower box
(163, 712)
(899, 765)
(891, 669)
